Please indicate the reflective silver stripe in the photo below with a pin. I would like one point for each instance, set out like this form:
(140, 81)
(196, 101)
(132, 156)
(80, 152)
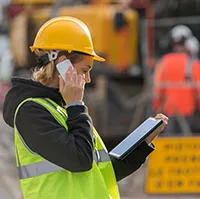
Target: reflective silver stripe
(104, 156)
(50, 110)
(177, 85)
(101, 156)
(44, 167)
(55, 107)
(95, 157)
(37, 169)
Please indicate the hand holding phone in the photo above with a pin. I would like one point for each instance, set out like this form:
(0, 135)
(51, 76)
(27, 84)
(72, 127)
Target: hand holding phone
(63, 67)
(71, 84)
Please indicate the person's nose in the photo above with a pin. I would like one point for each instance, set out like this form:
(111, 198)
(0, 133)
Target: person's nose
(87, 78)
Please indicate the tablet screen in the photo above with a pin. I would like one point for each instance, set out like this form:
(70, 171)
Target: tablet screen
(135, 138)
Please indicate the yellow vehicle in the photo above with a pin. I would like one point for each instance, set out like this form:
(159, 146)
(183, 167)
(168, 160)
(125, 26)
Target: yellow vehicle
(114, 32)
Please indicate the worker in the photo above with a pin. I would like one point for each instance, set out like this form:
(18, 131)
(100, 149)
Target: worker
(59, 153)
(173, 94)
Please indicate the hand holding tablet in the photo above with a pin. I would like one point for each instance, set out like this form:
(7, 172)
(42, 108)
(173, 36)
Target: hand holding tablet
(147, 131)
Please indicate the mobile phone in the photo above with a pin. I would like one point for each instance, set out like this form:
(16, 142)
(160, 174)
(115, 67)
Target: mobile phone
(124, 148)
(62, 67)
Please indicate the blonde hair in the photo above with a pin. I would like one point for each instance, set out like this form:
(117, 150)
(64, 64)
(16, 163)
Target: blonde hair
(45, 74)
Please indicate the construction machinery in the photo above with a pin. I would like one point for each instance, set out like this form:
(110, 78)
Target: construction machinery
(120, 34)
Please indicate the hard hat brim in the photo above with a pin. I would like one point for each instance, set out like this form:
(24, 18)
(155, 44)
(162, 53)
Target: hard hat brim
(98, 58)
(95, 56)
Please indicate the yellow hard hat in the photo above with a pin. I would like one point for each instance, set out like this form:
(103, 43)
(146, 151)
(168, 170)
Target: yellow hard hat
(65, 33)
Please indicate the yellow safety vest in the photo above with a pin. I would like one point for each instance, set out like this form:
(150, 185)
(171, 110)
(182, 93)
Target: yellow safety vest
(41, 179)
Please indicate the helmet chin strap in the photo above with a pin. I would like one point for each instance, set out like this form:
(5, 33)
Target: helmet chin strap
(53, 55)
(47, 58)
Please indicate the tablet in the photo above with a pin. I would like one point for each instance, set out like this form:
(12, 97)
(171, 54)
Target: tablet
(135, 138)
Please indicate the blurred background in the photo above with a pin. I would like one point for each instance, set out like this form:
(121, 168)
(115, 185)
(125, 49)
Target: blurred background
(152, 65)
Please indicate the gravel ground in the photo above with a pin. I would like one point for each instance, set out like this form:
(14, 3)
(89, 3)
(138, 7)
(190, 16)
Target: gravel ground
(9, 186)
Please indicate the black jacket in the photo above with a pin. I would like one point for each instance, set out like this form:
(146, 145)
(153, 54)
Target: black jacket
(71, 150)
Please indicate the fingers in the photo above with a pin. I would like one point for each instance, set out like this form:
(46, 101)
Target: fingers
(162, 117)
(74, 77)
(68, 75)
(61, 83)
(72, 89)
(152, 136)
(81, 81)
(71, 75)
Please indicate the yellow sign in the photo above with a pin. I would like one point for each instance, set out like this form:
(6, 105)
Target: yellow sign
(174, 167)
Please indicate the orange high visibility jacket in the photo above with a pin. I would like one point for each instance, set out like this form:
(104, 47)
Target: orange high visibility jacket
(173, 93)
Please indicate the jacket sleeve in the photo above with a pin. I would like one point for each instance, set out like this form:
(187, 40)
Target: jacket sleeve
(72, 149)
(132, 162)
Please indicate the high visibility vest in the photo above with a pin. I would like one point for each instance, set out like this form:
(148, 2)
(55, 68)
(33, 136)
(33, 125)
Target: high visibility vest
(41, 179)
(173, 94)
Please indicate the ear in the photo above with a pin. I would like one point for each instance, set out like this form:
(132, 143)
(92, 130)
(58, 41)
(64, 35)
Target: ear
(61, 59)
